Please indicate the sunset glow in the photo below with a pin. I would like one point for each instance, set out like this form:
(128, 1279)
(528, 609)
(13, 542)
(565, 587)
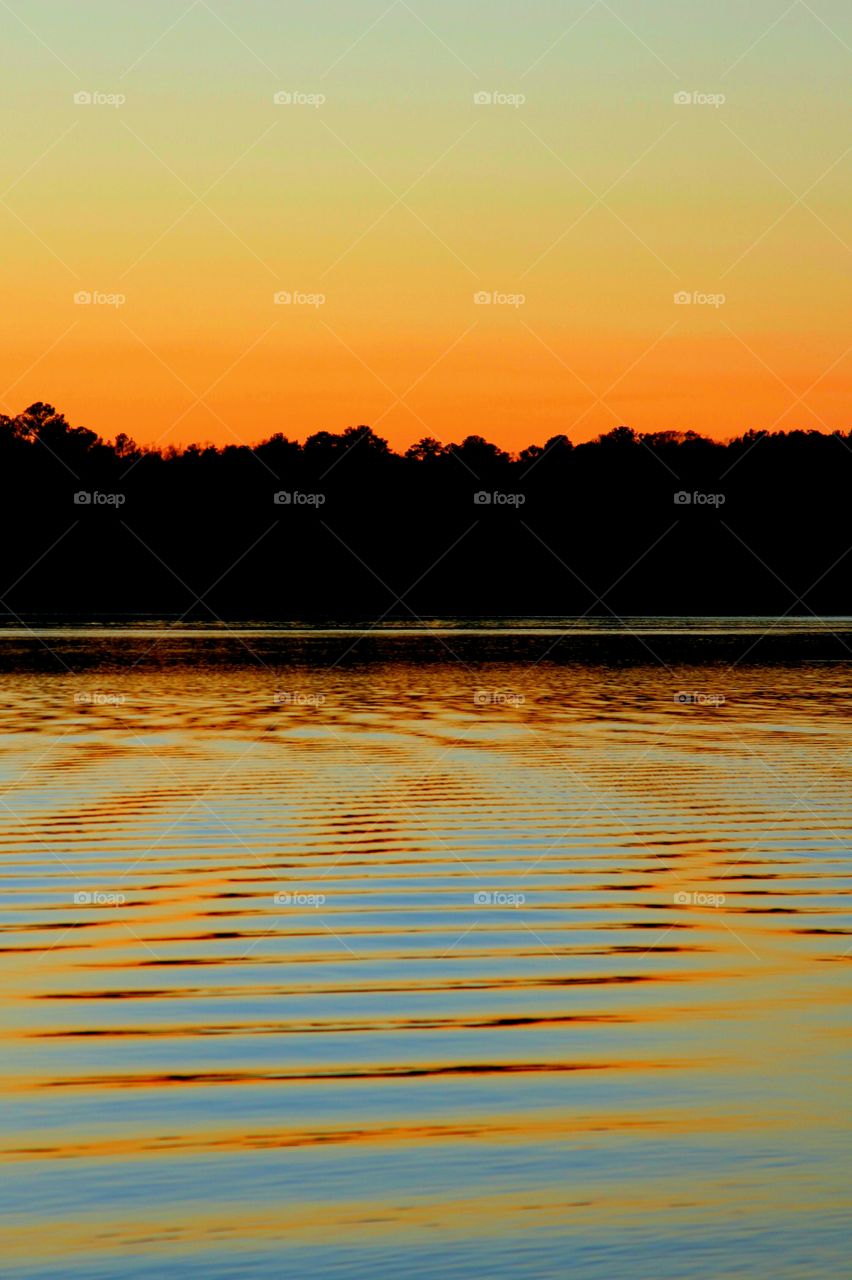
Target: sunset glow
(380, 186)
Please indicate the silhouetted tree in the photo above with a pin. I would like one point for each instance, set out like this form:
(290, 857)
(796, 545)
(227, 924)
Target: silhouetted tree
(344, 527)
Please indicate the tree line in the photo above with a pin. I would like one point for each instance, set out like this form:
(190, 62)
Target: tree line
(344, 528)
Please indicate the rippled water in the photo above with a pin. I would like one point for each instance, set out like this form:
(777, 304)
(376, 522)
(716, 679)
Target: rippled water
(414, 955)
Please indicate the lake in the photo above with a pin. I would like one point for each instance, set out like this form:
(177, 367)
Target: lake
(464, 950)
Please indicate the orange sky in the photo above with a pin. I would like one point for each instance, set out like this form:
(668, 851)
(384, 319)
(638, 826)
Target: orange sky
(581, 212)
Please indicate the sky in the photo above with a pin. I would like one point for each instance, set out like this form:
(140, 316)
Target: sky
(509, 219)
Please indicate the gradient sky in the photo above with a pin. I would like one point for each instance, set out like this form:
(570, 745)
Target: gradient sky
(399, 198)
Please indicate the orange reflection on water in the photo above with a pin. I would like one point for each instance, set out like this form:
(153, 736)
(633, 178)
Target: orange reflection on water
(346, 971)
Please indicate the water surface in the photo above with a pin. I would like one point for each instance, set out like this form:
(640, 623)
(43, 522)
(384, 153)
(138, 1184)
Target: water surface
(464, 951)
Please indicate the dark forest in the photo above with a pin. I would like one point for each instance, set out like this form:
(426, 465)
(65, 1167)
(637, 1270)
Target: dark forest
(343, 529)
